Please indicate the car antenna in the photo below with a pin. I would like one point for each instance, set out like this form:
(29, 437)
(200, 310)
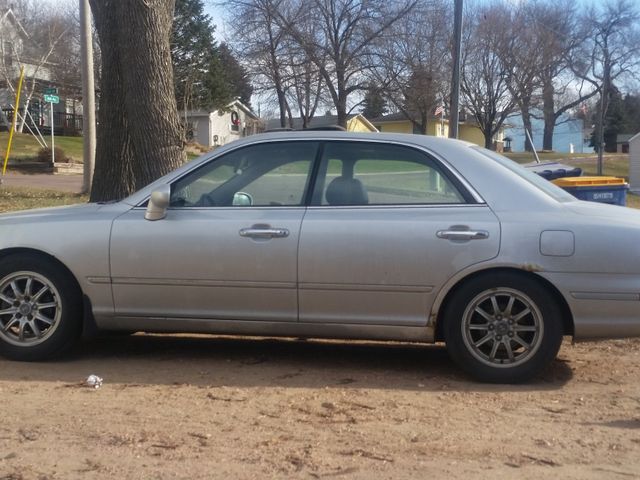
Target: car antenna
(532, 145)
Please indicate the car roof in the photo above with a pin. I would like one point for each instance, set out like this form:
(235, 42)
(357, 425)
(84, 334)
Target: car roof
(407, 138)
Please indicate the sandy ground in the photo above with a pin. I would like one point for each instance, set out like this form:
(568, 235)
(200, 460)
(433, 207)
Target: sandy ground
(212, 407)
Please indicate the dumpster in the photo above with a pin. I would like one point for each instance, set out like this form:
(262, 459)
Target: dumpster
(553, 170)
(611, 190)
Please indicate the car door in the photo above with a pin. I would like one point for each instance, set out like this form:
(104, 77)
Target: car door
(227, 248)
(388, 225)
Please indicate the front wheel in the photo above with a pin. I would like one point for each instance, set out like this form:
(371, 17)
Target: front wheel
(502, 328)
(40, 308)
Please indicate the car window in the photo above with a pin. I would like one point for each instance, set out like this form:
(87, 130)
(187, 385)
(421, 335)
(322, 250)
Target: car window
(360, 173)
(533, 178)
(266, 174)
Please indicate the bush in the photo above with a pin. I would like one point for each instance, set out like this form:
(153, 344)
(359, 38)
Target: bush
(44, 155)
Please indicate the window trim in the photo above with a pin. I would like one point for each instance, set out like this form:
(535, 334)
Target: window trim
(448, 170)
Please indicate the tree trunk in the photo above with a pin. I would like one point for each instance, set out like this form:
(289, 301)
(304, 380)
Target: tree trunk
(424, 123)
(488, 137)
(341, 104)
(23, 120)
(139, 134)
(548, 111)
(341, 110)
(283, 106)
(113, 176)
(526, 123)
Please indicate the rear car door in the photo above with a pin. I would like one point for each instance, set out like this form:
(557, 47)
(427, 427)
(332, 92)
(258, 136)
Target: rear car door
(388, 225)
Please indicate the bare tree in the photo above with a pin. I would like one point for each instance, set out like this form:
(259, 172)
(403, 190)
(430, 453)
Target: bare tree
(520, 51)
(609, 53)
(555, 28)
(413, 61)
(305, 87)
(261, 43)
(343, 31)
(139, 135)
(484, 84)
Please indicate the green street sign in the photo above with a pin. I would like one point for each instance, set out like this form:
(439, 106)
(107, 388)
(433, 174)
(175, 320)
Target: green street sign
(51, 91)
(52, 98)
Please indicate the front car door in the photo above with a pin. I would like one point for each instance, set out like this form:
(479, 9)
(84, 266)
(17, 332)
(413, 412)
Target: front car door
(227, 248)
(387, 226)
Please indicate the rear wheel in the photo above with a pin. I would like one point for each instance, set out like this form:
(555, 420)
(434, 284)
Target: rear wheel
(40, 308)
(502, 328)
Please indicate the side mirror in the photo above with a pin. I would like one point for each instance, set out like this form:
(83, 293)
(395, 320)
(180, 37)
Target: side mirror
(242, 199)
(158, 203)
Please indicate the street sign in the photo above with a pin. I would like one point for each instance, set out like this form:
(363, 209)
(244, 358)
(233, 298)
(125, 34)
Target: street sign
(51, 91)
(52, 98)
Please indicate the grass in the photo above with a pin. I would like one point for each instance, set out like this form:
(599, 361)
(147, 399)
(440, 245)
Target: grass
(25, 146)
(633, 201)
(613, 165)
(23, 198)
(527, 157)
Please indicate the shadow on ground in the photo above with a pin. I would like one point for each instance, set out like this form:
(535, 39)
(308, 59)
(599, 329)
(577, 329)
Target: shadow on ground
(249, 362)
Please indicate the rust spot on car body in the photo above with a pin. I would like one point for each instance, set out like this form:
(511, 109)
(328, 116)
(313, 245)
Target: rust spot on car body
(531, 267)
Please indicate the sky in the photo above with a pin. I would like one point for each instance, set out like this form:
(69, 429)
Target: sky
(216, 14)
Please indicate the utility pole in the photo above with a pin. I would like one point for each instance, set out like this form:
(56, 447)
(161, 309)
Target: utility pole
(454, 114)
(604, 105)
(88, 96)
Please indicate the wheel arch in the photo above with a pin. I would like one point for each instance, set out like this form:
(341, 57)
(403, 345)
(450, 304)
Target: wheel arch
(87, 309)
(38, 253)
(567, 316)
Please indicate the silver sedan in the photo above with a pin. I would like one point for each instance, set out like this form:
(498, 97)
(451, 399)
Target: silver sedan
(331, 235)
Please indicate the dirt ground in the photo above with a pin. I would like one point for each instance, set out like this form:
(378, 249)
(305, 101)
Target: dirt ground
(177, 407)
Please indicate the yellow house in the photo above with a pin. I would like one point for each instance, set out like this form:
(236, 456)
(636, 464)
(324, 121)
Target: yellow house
(355, 123)
(398, 123)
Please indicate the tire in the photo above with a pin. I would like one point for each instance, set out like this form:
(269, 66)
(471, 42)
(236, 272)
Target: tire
(502, 328)
(40, 308)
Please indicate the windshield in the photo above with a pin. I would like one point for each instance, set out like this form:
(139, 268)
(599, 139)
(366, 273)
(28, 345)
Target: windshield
(533, 178)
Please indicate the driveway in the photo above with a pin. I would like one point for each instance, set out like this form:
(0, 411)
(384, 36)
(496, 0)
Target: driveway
(64, 183)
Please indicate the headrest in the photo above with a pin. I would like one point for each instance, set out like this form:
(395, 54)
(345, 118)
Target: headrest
(346, 191)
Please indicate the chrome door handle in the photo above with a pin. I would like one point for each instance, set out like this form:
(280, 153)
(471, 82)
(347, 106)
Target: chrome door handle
(462, 234)
(264, 232)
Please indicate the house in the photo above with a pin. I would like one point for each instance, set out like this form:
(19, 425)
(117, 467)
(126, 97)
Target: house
(568, 135)
(355, 123)
(634, 163)
(18, 49)
(436, 126)
(622, 142)
(222, 126)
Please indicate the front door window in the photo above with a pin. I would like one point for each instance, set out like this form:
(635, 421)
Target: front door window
(262, 175)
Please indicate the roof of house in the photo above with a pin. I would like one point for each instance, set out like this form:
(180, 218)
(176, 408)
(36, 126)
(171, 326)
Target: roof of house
(624, 137)
(238, 104)
(401, 117)
(637, 135)
(391, 117)
(235, 104)
(9, 15)
(316, 122)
